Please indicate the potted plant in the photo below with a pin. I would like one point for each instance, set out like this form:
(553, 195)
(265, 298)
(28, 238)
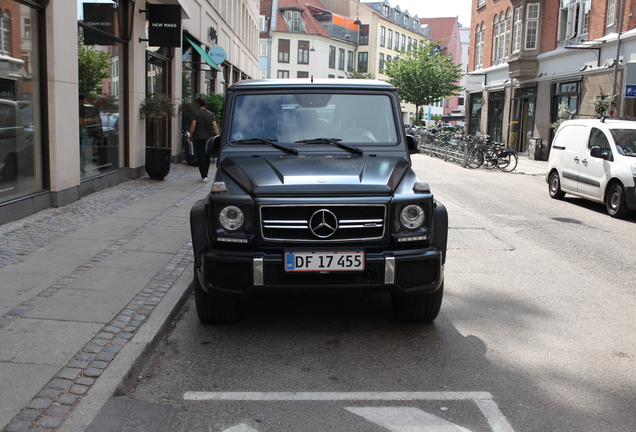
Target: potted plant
(157, 109)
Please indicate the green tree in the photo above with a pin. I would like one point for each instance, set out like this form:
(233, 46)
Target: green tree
(424, 75)
(93, 68)
(353, 74)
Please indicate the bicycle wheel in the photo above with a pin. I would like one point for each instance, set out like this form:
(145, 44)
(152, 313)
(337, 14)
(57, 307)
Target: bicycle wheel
(474, 158)
(490, 158)
(507, 163)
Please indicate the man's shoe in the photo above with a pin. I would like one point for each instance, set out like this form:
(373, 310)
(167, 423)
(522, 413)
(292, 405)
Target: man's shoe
(205, 180)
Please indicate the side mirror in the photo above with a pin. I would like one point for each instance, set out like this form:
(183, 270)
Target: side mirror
(598, 153)
(411, 144)
(212, 146)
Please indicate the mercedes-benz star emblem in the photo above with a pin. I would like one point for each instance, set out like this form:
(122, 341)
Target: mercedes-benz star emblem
(323, 223)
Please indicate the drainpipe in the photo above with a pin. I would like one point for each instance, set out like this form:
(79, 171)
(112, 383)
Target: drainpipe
(272, 26)
(618, 53)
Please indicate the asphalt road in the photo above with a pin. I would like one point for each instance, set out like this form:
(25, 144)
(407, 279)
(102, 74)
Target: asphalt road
(536, 333)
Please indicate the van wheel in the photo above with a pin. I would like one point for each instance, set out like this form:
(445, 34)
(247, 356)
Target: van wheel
(213, 309)
(615, 202)
(554, 186)
(421, 308)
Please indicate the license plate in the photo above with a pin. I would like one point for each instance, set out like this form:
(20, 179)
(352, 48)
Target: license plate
(324, 261)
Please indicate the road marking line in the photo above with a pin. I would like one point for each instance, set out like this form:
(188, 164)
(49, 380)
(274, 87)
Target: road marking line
(335, 396)
(404, 419)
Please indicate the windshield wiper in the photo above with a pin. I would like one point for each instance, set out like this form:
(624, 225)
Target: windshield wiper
(271, 142)
(332, 141)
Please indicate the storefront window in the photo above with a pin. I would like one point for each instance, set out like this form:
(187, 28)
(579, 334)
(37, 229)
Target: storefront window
(496, 102)
(475, 112)
(20, 102)
(100, 62)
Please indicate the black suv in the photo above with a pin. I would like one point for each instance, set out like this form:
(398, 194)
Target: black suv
(314, 191)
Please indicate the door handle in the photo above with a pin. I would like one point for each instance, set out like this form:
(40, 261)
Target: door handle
(576, 159)
(584, 162)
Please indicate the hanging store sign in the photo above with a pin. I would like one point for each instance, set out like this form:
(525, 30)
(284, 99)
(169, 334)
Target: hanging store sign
(475, 83)
(164, 25)
(630, 80)
(102, 17)
(217, 54)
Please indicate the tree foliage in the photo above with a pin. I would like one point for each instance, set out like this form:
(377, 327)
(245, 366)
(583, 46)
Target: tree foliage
(354, 74)
(423, 75)
(93, 68)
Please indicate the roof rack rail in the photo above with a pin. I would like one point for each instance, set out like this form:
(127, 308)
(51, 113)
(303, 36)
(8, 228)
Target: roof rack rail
(601, 118)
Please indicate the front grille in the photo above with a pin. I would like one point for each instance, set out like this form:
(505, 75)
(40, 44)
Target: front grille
(275, 275)
(295, 223)
(417, 272)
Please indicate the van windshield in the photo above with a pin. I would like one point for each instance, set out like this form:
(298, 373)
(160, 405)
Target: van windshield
(625, 141)
(289, 118)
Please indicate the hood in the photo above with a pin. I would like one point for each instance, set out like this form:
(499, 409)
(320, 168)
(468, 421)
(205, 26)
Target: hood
(316, 175)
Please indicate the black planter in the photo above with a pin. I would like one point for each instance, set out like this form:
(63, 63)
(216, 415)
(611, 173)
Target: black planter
(158, 162)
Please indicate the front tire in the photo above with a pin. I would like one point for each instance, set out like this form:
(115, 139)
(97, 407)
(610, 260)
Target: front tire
(213, 309)
(554, 186)
(422, 308)
(616, 203)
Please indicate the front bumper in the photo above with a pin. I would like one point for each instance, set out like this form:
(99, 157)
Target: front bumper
(242, 274)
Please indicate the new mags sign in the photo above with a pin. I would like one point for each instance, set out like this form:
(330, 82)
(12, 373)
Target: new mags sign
(164, 25)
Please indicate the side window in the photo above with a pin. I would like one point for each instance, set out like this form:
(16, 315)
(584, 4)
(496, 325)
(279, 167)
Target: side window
(599, 139)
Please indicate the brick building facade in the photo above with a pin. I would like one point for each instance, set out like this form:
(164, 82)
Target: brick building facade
(529, 56)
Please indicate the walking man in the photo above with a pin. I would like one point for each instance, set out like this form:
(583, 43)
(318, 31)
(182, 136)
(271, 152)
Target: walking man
(201, 129)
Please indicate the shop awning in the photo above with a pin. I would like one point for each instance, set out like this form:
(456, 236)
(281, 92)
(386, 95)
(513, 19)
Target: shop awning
(195, 44)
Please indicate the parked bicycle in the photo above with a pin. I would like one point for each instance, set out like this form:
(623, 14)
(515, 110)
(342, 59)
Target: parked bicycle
(495, 155)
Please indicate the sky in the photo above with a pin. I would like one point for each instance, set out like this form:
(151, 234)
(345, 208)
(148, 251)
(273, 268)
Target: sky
(437, 8)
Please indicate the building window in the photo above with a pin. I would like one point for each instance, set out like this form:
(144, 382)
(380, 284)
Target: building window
(341, 59)
(303, 52)
(381, 65)
(516, 29)
(382, 35)
(385, 10)
(26, 28)
(532, 26)
(567, 93)
(611, 13)
(363, 62)
(332, 57)
(501, 36)
(294, 21)
(302, 74)
(262, 49)
(403, 47)
(397, 41)
(479, 46)
(389, 40)
(481, 3)
(283, 74)
(283, 50)
(350, 65)
(364, 34)
(5, 33)
(574, 18)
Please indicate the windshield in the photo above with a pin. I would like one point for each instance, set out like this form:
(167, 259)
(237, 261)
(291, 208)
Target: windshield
(625, 141)
(348, 118)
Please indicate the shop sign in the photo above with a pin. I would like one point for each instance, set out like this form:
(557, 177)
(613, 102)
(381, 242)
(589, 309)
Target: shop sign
(100, 16)
(630, 84)
(164, 25)
(217, 54)
(475, 83)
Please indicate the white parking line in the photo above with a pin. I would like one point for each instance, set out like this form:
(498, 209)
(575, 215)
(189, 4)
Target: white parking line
(483, 400)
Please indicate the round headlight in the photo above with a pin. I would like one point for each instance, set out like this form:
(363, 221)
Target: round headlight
(231, 218)
(412, 216)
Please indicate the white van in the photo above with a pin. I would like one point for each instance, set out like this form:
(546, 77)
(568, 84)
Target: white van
(595, 159)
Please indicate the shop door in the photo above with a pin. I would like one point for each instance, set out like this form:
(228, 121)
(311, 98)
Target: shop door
(496, 104)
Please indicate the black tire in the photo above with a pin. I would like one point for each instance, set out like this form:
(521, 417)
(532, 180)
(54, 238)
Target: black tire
(615, 201)
(507, 161)
(490, 158)
(554, 186)
(474, 158)
(213, 309)
(422, 308)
